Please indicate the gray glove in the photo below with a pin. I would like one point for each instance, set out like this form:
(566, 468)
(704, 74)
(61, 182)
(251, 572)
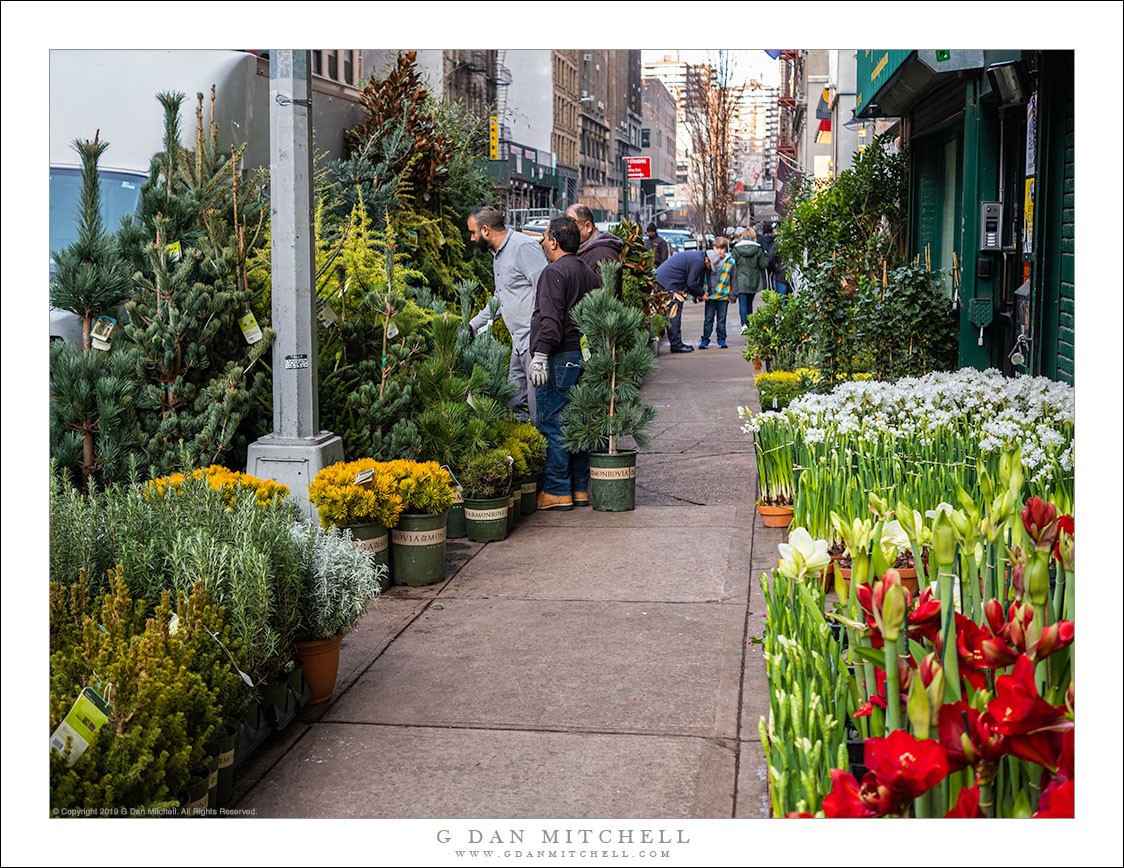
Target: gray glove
(539, 374)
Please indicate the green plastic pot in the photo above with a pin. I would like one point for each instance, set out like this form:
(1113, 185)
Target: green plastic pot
(529, 495)
(375, 539)
(195, 800)
(417, 549)
(514, 500)
(612, 481)
(213, 784)
(226, 767)
(486, 520)
(455, 528)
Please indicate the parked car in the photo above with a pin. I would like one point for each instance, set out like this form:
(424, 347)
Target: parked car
(675, 238)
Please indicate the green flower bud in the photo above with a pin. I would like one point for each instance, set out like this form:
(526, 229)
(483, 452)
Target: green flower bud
(893, 612)
(1037, 577)
(920, 713)
(944, 539)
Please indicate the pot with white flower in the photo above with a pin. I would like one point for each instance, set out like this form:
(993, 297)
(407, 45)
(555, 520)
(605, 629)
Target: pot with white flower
(338, 580)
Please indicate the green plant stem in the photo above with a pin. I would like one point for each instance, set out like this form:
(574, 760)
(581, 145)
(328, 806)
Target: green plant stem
(893, 685)
(987, 800)
(950, 660)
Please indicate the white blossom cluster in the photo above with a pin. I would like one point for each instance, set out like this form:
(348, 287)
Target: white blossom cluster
(1033, 413)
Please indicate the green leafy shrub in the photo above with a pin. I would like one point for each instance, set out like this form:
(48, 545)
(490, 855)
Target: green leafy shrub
(338, 579)
(486, 475)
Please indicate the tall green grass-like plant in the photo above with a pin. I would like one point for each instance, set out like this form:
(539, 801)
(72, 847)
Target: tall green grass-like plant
(605, 405)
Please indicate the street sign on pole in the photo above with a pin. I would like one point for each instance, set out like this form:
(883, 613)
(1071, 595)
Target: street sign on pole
(639, 168)
(493, 138)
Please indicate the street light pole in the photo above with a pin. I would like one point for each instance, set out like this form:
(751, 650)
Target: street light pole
(297, 449)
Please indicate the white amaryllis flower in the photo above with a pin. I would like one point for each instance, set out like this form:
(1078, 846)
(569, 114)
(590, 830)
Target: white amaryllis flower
(894, 540)
(802, 555)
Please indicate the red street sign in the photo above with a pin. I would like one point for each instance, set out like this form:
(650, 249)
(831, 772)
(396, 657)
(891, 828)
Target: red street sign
(639, 167)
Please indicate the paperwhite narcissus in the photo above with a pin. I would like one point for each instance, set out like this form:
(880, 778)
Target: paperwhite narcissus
(802, 555)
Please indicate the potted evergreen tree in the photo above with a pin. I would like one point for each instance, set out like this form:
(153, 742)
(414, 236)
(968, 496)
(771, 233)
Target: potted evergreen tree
(605, 404)
(486, 479)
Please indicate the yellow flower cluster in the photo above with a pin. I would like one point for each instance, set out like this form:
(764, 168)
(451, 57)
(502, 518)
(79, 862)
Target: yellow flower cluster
(222, 479)
(395, 487)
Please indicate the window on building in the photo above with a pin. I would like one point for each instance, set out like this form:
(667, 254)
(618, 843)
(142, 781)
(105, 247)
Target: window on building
(645, 138)
(339, 65)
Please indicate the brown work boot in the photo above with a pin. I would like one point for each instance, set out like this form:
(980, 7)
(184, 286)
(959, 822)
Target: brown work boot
(560, 502)
(581, 498)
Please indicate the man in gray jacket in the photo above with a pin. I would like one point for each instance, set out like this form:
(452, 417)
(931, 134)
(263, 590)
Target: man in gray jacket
(517, 262)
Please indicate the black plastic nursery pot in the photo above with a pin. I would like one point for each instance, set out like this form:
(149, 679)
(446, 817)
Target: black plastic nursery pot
(454, 522)
(486, 520)
(375, 540)
(612, 481)
(196, 798)
(417, 549)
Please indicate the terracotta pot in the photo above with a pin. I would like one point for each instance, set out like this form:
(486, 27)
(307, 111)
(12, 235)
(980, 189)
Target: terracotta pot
(320, 660)
(909, 579)
(775, 516)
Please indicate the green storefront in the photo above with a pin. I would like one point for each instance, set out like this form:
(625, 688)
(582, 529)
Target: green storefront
(990, 138)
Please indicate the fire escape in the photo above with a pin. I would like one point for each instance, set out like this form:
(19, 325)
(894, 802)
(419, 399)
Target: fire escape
(791, 109)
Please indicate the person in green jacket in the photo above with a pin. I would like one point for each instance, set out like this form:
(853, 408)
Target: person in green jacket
(751, 259)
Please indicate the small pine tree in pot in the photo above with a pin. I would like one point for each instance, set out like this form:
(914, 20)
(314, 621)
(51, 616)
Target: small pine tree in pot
(605, 405)
(486, 478)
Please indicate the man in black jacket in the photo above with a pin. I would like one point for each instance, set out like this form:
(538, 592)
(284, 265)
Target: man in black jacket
(657, 245)
(557, 361)
(596, 245)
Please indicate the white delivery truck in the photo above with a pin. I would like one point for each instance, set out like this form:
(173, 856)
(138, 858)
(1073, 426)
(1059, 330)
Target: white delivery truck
(113, 93)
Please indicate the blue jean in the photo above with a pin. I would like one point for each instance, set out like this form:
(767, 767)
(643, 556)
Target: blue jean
(715, 308)
(745, 306)
(565, 472)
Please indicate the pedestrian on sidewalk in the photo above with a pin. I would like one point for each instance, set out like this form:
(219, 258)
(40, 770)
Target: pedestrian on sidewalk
(557, 361)
(683, 274)
(517, 262)
(751, 259)
(657, 245)
(720, 282)
(596, 244)
(778, 272)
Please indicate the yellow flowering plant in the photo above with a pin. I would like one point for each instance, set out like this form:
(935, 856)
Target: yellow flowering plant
(341, 502)
(424, 486)
(223, 479)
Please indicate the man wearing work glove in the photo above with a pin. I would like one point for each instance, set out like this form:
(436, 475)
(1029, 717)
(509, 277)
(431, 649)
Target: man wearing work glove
(516, 264)
(556, 361)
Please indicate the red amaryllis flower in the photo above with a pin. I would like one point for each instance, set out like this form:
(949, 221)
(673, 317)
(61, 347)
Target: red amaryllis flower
(1063, 549)
(1055, 637)
(969, 738)
(925, 620)
(906, 765)
(799, 815)
(1032, 725)
(849, 799)
(1041, 522)
(1056, 801)
(967, 807)
(979, 651)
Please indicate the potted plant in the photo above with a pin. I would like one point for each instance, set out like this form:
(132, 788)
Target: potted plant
(527, 447)
(773, 448)
(360, 496)
(605, 404)
(486, 477)
(417, 541)
(337, 582)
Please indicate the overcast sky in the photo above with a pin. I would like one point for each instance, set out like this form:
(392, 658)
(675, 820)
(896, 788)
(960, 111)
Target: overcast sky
(746, 63)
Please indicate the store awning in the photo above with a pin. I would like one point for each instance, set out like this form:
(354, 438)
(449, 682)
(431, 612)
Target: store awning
(890, 81)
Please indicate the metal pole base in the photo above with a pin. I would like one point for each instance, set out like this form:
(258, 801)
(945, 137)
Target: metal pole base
(294, 461)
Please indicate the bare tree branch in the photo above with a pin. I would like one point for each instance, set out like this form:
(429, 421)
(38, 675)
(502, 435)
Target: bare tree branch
(710, 110)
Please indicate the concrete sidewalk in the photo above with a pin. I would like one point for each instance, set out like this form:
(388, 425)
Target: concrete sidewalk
(591, 665)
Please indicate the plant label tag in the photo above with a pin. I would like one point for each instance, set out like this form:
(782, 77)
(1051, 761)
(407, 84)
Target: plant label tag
(585, 349)
(100, 332)
(326, 313)
(471, 401)
(392, 330)
(364, 476)
(80, 725)
(173, 251)
(296, 362)
(173, 624)
(456, 484)
(249, 681)
(250, 329)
